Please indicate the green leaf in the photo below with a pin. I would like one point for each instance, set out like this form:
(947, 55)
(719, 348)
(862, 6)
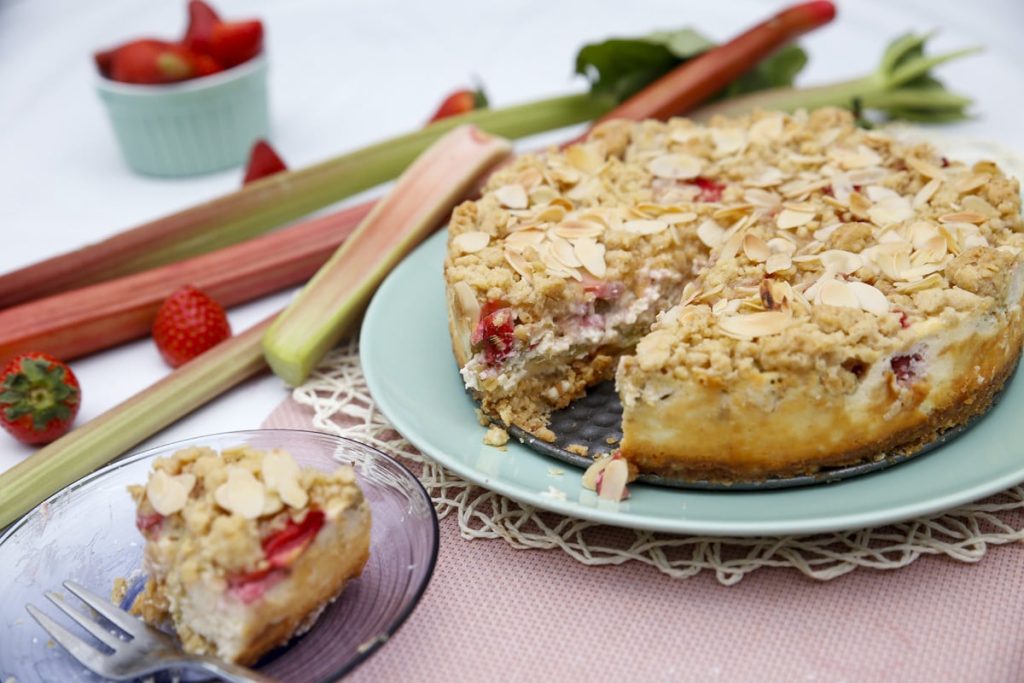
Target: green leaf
(779, 70)
(621, 67)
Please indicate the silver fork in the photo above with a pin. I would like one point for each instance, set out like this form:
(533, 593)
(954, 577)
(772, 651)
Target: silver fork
(148, 651)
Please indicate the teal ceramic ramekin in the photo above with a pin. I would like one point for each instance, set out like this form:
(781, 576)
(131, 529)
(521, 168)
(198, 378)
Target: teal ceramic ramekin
(193, 127)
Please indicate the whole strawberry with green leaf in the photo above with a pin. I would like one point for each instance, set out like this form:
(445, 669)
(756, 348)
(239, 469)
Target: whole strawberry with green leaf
(39, 398)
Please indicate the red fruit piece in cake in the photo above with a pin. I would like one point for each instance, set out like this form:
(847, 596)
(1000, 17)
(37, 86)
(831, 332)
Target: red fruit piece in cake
(495, 333)
(282, 547)
(710, 190)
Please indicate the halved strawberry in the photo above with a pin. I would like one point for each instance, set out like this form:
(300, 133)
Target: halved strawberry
(251, 586)
(234, 42)
(201, 20)
(282, 547)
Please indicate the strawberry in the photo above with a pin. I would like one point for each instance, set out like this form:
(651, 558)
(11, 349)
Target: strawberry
(150, 61)
(39, 398)
(495, 333)
(188, 323)
(460, 102)
(263, 161)
(234, 42)
(710, 191)
(201, 20)
(282, 547)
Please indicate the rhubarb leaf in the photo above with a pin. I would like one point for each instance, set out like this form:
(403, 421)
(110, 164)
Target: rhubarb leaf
(621, 67)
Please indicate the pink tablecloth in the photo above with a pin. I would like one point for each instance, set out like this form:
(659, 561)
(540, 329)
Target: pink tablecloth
(493, 613)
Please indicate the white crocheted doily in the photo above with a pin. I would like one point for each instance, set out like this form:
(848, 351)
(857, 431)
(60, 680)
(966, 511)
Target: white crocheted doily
(341, 404)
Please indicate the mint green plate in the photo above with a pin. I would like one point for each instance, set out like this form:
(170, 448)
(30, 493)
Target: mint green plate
(407, 358)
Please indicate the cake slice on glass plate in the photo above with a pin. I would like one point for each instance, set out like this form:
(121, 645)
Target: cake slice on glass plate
(244, 549)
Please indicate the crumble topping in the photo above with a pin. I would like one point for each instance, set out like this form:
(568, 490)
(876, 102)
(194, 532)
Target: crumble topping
(799, 243)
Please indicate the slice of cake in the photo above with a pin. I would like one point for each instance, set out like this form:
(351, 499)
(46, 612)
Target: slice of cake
(826, 293)
(244, 548)
(561, 266)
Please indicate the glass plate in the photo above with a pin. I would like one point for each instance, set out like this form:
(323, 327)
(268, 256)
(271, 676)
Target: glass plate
(87, 533)
(407, 358)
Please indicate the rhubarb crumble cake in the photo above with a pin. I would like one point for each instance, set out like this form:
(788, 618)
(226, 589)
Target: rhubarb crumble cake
(244, 548)
(773, 293)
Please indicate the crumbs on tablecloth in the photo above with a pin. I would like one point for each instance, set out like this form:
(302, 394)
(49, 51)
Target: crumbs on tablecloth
(555, 471)
(611, 440)
(578, 449)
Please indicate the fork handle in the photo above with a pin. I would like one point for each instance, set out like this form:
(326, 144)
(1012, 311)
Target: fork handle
(229, 672)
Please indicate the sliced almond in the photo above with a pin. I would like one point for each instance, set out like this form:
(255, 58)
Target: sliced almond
(465, 301)
(780, 245)
(756, 249)
(521, 239)
(675, 166)
(242, 494)
(512, 196)
(933, 250)
(788, 219)
(778, 262)
(964, 217)
(562, 250)
(591, 255)
(890, 210)
(842, 262)
(710, 233)
(928, 170)
(755, 325)
(690, 292)
(972, 182)
(933, 280)
(728, 140)
(867, 176)
(836, 293)
(518, 263)
(767, 177)
(915, 273)
(756, 196)
(976, 204)
(849, 159)
(678, 217)
(920, 232)
(471, 242)
(575, 229)
(645, 227)
(168, 494)
(870, 298)
(281, 475)
(766, 129)
(859, 204)
(611, 485)
(823, 233)
(550, 214)
(590, 475)
(586, 157)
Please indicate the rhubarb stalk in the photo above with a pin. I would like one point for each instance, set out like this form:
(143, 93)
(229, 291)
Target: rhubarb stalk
(275, 200)
(106, 437)
(901, 87)
(422, 199)
(92, 318)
